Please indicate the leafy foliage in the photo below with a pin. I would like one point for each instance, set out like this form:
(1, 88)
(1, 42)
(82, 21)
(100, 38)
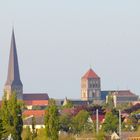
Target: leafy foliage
(34, 133)
(65, 122)
(28, 134)
(132, 108)
(111, 123)
(11, 117)
(79, 121)
(131, 124)
(100, 135)
(52, 121)
(2, 131)
(110, 102)
(69, 104)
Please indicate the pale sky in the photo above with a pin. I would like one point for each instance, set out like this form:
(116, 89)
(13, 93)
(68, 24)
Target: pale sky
(58, 40)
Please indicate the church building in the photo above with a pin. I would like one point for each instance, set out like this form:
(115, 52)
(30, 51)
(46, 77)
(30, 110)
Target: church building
(91, 90)
(14, 84)
(90, 86)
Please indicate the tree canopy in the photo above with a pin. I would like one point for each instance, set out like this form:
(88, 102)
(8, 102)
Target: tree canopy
(52, 121)
(111, 123)
(79, 121)
(11, 117)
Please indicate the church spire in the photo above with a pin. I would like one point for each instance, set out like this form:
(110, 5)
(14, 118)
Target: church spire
(13, 82)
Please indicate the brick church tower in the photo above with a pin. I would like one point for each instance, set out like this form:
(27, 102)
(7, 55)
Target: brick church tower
(13, 82)
(90, 86)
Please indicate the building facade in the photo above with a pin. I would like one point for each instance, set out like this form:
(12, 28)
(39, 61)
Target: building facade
(90, 86)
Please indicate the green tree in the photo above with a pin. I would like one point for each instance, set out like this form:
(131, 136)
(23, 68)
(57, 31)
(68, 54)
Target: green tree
(111, 123)
(69, 104)
(100, 135)
(5, 116)
(131, 124)
(123, 106)
(64, 122)
(27, 134)
(11, 116)
(80, 121)
(52, 121)
(110, 102)
(2, 131)
(34, 134)
(15, 117)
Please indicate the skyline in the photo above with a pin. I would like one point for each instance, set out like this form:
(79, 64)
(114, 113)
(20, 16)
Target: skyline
(68, 38)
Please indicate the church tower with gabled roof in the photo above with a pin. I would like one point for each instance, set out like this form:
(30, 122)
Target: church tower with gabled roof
(90, 86)
(13, 82)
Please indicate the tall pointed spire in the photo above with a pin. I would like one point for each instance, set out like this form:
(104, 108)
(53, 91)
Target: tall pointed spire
(13, 83)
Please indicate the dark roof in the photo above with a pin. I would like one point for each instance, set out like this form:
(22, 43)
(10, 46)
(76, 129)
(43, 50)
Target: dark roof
(35, 96)
(38, 120)
(90, 74)
(104, 94)
(124, 93)
(100, 117)
(13, 77)
(118, 93)
(80, 102)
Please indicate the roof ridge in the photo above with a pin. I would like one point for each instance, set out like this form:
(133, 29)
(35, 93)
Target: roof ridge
(90, 74)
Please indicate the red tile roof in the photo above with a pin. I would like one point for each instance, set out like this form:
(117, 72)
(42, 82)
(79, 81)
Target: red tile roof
(90, 74)
(101, 118)
(68, 111)
(36, 102)
(35, 113)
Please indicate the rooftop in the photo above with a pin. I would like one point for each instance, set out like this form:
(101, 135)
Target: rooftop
(90, 74)
(35, 96)
(38, 120)
(36, 102)
(36, 113)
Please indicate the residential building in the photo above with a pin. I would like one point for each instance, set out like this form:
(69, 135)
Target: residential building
(39, 122)
(35, 113)
(35, 100)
